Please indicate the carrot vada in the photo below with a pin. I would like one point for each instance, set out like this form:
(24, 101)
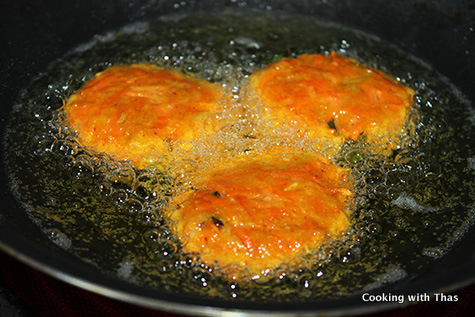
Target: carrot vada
(334, 98)
(137, 111)
(257, 214)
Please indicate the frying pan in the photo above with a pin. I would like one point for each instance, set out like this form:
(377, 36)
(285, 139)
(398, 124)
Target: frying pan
(35, 33)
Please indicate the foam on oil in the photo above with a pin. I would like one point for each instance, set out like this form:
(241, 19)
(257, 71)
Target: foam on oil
(410, 208)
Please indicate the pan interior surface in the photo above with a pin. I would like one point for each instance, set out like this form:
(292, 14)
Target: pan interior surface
(410, 210)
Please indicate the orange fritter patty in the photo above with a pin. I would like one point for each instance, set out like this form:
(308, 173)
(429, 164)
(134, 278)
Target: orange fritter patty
(135, 112)
(259, 213)
(334, 98)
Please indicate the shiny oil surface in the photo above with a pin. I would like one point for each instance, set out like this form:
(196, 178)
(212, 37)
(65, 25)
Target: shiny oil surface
(410, 209)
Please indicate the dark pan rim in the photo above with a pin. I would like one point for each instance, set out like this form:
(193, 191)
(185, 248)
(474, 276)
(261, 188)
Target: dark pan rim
(449, 276)
(86, 277)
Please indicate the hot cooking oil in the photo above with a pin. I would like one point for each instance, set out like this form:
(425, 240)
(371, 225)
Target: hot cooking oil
(410, 208)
